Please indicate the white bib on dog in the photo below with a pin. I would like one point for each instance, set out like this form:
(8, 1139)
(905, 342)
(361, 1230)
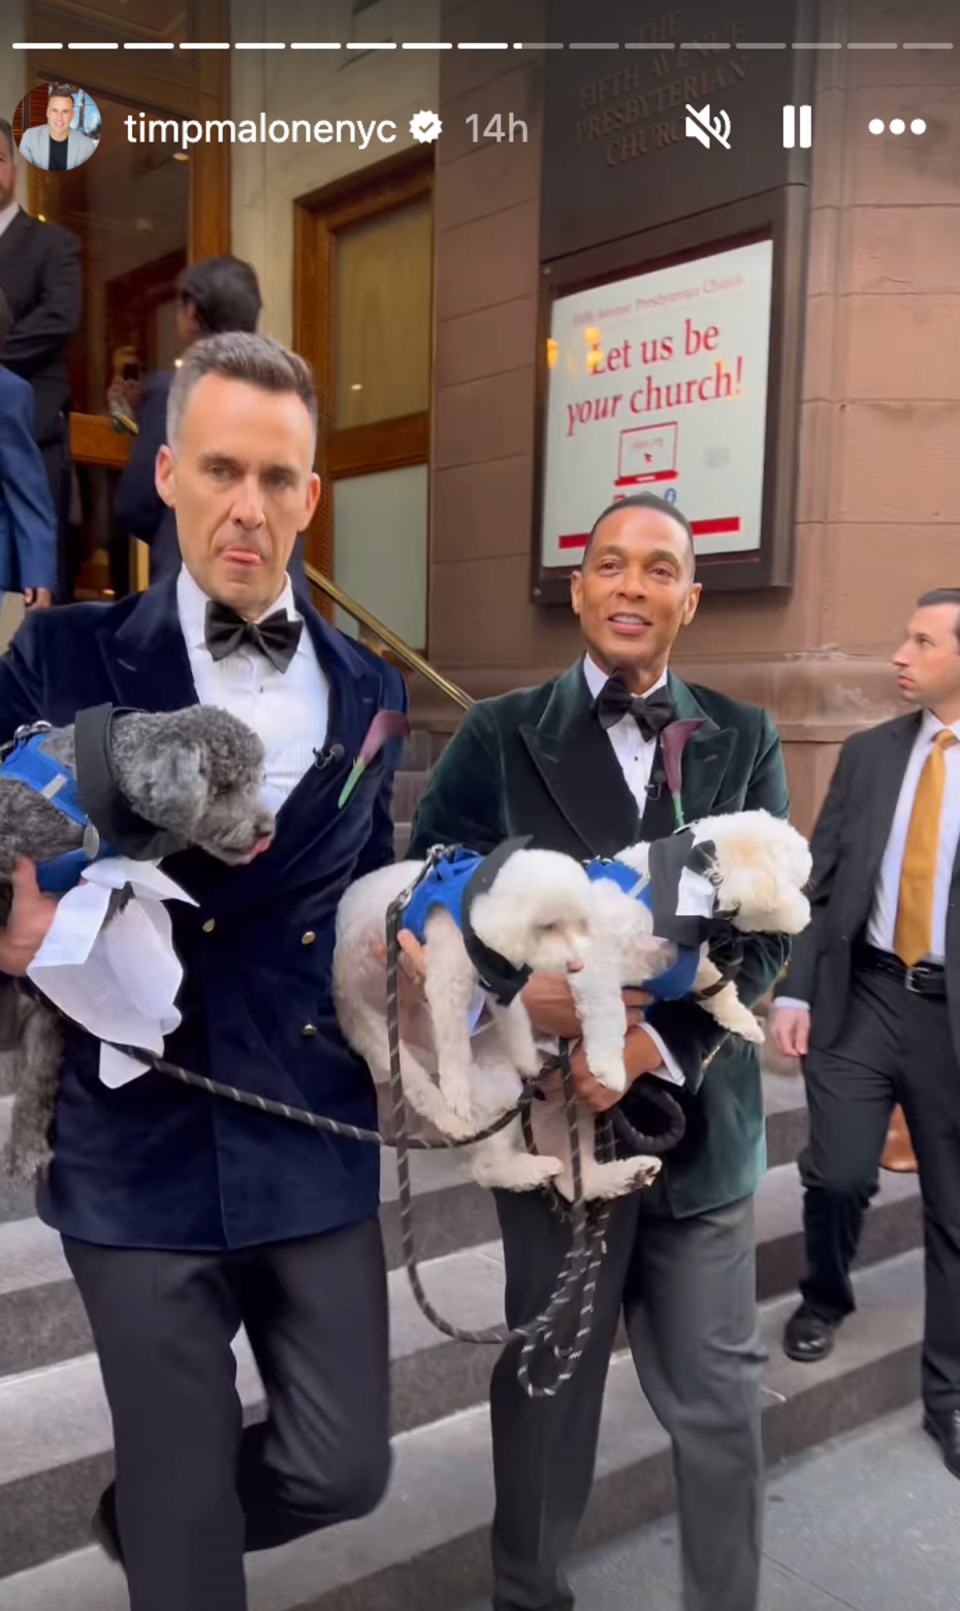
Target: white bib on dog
(119, 980)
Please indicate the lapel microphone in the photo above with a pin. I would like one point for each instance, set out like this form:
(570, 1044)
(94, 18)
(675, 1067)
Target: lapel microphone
(329, 757)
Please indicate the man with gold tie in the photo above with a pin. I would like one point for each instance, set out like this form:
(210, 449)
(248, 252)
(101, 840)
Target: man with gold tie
(872, 1003)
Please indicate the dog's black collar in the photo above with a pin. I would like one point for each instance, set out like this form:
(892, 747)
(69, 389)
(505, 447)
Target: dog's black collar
(100, 795)
(496, 974)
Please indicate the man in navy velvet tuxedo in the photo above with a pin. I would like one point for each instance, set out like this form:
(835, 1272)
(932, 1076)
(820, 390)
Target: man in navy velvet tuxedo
(183, 1216)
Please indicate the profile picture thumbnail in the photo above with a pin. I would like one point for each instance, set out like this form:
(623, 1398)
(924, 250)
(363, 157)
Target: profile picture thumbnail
(57, 127)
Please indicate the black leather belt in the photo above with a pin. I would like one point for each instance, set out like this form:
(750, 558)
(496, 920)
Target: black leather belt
(923, 979)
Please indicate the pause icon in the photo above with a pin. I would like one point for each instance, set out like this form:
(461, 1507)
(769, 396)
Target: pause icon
(790, 127)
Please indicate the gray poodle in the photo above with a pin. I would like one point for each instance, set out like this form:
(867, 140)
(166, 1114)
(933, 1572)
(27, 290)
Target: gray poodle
(190, 778)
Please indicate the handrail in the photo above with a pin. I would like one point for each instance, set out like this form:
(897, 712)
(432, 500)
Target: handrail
(397, 646)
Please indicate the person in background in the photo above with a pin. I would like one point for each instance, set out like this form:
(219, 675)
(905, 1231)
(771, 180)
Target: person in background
(40, 277)
(28, 529)
(217, 295)
(872, 1004)
(58, 147)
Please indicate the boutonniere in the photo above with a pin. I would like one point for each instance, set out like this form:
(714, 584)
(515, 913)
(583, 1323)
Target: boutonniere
(673, 742)
(386, 724)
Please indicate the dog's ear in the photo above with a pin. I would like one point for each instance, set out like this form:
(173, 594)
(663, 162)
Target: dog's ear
(169, 783)
(187, 774)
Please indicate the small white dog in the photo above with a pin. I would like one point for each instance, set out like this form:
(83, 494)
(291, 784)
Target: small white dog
(760, 868)
(533, 916)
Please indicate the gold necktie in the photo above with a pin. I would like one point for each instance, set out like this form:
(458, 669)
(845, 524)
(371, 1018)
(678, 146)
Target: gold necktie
(913, 935)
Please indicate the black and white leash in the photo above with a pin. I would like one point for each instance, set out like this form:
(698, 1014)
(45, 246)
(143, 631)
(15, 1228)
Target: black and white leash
(571, 1304)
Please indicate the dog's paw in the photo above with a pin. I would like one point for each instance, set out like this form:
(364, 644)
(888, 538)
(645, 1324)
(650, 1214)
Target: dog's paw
(524, 1172)
(528, 1067)
(456, 1129)
(646, 1171)
(610, 1072)
(456, 1095)
(604, 1181)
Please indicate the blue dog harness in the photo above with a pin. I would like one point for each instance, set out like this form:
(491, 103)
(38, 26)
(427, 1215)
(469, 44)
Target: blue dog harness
(29, 764)
(93, 799)
(676, 981)
(444, 885)
(454, 879)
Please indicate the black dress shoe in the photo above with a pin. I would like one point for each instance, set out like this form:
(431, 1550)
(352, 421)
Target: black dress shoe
(808, 1337)
(946, 1429)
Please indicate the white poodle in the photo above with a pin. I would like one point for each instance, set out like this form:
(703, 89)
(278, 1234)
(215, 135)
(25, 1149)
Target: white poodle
(761, 866)
(535, 916)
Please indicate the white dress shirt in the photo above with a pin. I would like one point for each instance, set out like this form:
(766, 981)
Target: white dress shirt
(634, 752)
(289, 710)
(7, 215)
(635, 758)
(883, 916)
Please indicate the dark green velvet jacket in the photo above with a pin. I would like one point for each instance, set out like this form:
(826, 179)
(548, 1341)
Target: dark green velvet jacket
(537, 762)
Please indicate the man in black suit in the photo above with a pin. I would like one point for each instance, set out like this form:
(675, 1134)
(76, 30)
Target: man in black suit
(40, 277)
(576, 764)
(185, 1216)
(217, 294)
(872, 1002)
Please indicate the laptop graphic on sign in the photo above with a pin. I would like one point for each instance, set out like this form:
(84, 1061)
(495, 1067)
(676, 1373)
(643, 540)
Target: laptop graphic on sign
(648, 453)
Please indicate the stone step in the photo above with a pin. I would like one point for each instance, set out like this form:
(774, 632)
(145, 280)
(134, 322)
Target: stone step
(426, 1546)
(417, 754)
(41, 1319)
(54, 1429)
(408, 790)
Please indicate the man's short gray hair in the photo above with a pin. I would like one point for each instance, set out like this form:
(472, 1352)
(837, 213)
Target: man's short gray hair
(240, 355)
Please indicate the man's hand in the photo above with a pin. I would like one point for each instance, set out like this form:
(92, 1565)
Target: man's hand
(790, 1027)
(31, 914)
(415, 1026)
(640, 1055)
(37, 598)
(550, 1007)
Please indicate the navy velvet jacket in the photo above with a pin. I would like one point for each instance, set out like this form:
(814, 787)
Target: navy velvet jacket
(156, 1164)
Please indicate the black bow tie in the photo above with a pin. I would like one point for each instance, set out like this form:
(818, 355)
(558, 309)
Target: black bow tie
(651, 714)
(276, 637)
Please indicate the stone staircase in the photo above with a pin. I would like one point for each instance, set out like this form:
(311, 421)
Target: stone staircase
(426, 1546)
(419, 753)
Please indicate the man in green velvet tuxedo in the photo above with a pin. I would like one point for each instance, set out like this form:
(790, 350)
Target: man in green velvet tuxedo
(576, 764)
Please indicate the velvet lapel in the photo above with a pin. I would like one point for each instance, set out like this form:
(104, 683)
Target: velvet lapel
(706, 756)
(146, 657)
(577, 764)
